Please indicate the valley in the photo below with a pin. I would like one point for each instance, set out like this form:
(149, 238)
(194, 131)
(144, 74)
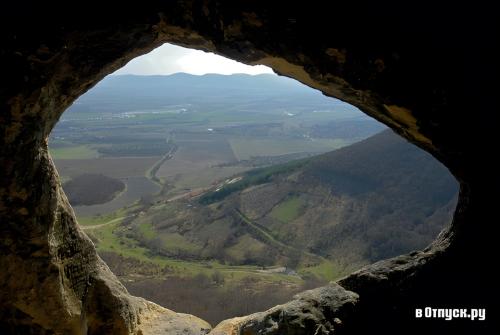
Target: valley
(237, 198)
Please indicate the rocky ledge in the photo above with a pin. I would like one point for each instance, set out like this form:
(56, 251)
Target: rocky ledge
(320, 311)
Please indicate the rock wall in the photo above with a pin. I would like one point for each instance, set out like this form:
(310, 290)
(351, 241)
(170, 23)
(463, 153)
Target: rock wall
(427, 72)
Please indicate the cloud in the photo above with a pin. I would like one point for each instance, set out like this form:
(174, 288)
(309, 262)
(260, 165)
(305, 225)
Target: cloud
(170, 58)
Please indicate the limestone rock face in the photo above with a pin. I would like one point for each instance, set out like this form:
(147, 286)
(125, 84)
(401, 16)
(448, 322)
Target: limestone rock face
(431, 74)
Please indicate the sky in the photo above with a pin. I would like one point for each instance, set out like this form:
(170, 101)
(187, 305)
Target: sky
(169, 59)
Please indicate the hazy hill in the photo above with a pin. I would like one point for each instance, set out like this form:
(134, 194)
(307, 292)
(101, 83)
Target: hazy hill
(182, 85)
(375, 199)
(258, 92)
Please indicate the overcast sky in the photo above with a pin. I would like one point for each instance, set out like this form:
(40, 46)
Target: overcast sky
(169, 59)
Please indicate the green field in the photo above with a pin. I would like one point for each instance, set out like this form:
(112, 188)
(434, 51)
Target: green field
(328, 270)
(288, 210)
(74, 152)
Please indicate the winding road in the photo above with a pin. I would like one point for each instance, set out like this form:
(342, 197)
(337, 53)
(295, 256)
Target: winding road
(106, 223)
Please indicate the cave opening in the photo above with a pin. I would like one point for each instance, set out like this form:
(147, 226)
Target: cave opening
(427, 72)
(221, 195)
